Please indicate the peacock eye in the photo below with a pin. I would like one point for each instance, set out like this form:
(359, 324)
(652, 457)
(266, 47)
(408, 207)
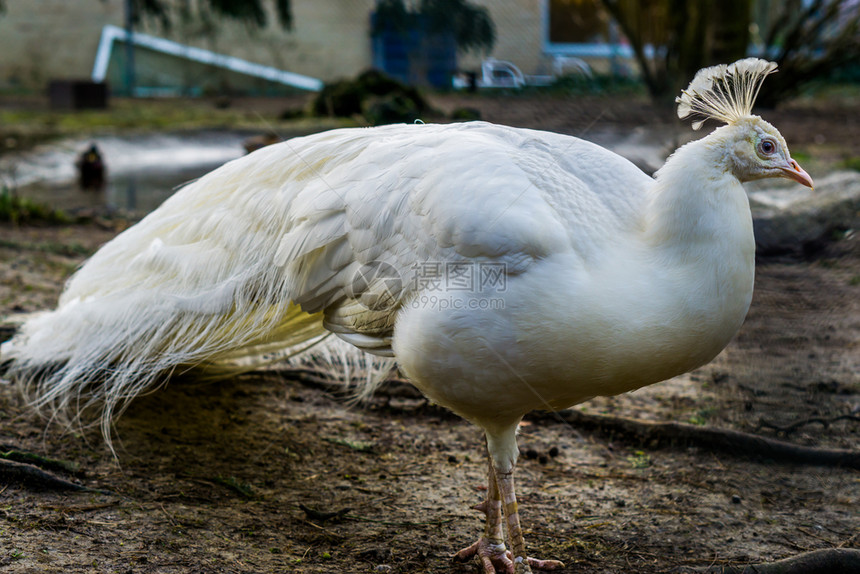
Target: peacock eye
(766, 147)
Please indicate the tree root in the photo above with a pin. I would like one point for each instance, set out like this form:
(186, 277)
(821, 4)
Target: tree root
(656, 433)
(26, 469)
(725, 440)
(33, 477)
(829, 561)
(40, 461)
(788, 429)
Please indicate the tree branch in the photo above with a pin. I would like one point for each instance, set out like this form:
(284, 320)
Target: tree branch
(725, 440)
(829, 561)
(33, 477)
(649, 76)
(788, 429)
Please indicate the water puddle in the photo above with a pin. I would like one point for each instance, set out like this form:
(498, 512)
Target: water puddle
(142, 170)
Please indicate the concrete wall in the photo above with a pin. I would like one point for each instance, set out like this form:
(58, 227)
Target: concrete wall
(46, 39)
(330, 38)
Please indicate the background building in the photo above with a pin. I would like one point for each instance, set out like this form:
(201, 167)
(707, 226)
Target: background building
(41, 40)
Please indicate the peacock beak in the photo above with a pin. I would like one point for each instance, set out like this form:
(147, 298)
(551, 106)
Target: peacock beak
(792, 170)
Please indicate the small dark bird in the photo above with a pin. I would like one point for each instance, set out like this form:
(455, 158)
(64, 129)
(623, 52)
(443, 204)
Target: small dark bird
(91, 169)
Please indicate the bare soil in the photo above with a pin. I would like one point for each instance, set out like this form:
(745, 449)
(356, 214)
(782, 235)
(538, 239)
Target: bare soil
(266, 473)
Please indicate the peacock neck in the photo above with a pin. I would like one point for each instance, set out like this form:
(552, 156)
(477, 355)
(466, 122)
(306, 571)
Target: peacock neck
(697, 203)
(700, 235)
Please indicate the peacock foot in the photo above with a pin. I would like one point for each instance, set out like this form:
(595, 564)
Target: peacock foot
(492, 554)
(496, 558)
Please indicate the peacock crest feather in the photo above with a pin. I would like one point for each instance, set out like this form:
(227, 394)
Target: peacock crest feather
(724, 92)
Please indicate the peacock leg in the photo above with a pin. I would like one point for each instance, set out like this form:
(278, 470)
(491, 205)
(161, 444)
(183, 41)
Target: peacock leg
(490, 548)
(522, 564)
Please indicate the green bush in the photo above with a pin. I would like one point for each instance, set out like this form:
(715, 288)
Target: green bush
(851, 163)
(17, 210)
(372, 94)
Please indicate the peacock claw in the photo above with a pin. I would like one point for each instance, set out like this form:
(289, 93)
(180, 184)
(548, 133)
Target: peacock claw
(496, 558)
(492, 554)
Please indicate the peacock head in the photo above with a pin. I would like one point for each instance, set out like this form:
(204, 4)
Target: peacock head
(754, 148)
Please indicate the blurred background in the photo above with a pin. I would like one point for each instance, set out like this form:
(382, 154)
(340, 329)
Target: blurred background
(265, 47)
(123, 78)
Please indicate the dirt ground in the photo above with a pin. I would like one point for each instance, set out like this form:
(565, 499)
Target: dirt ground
(267, 473)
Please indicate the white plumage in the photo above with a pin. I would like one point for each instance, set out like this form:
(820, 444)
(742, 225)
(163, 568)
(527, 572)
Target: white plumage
(504, 269)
